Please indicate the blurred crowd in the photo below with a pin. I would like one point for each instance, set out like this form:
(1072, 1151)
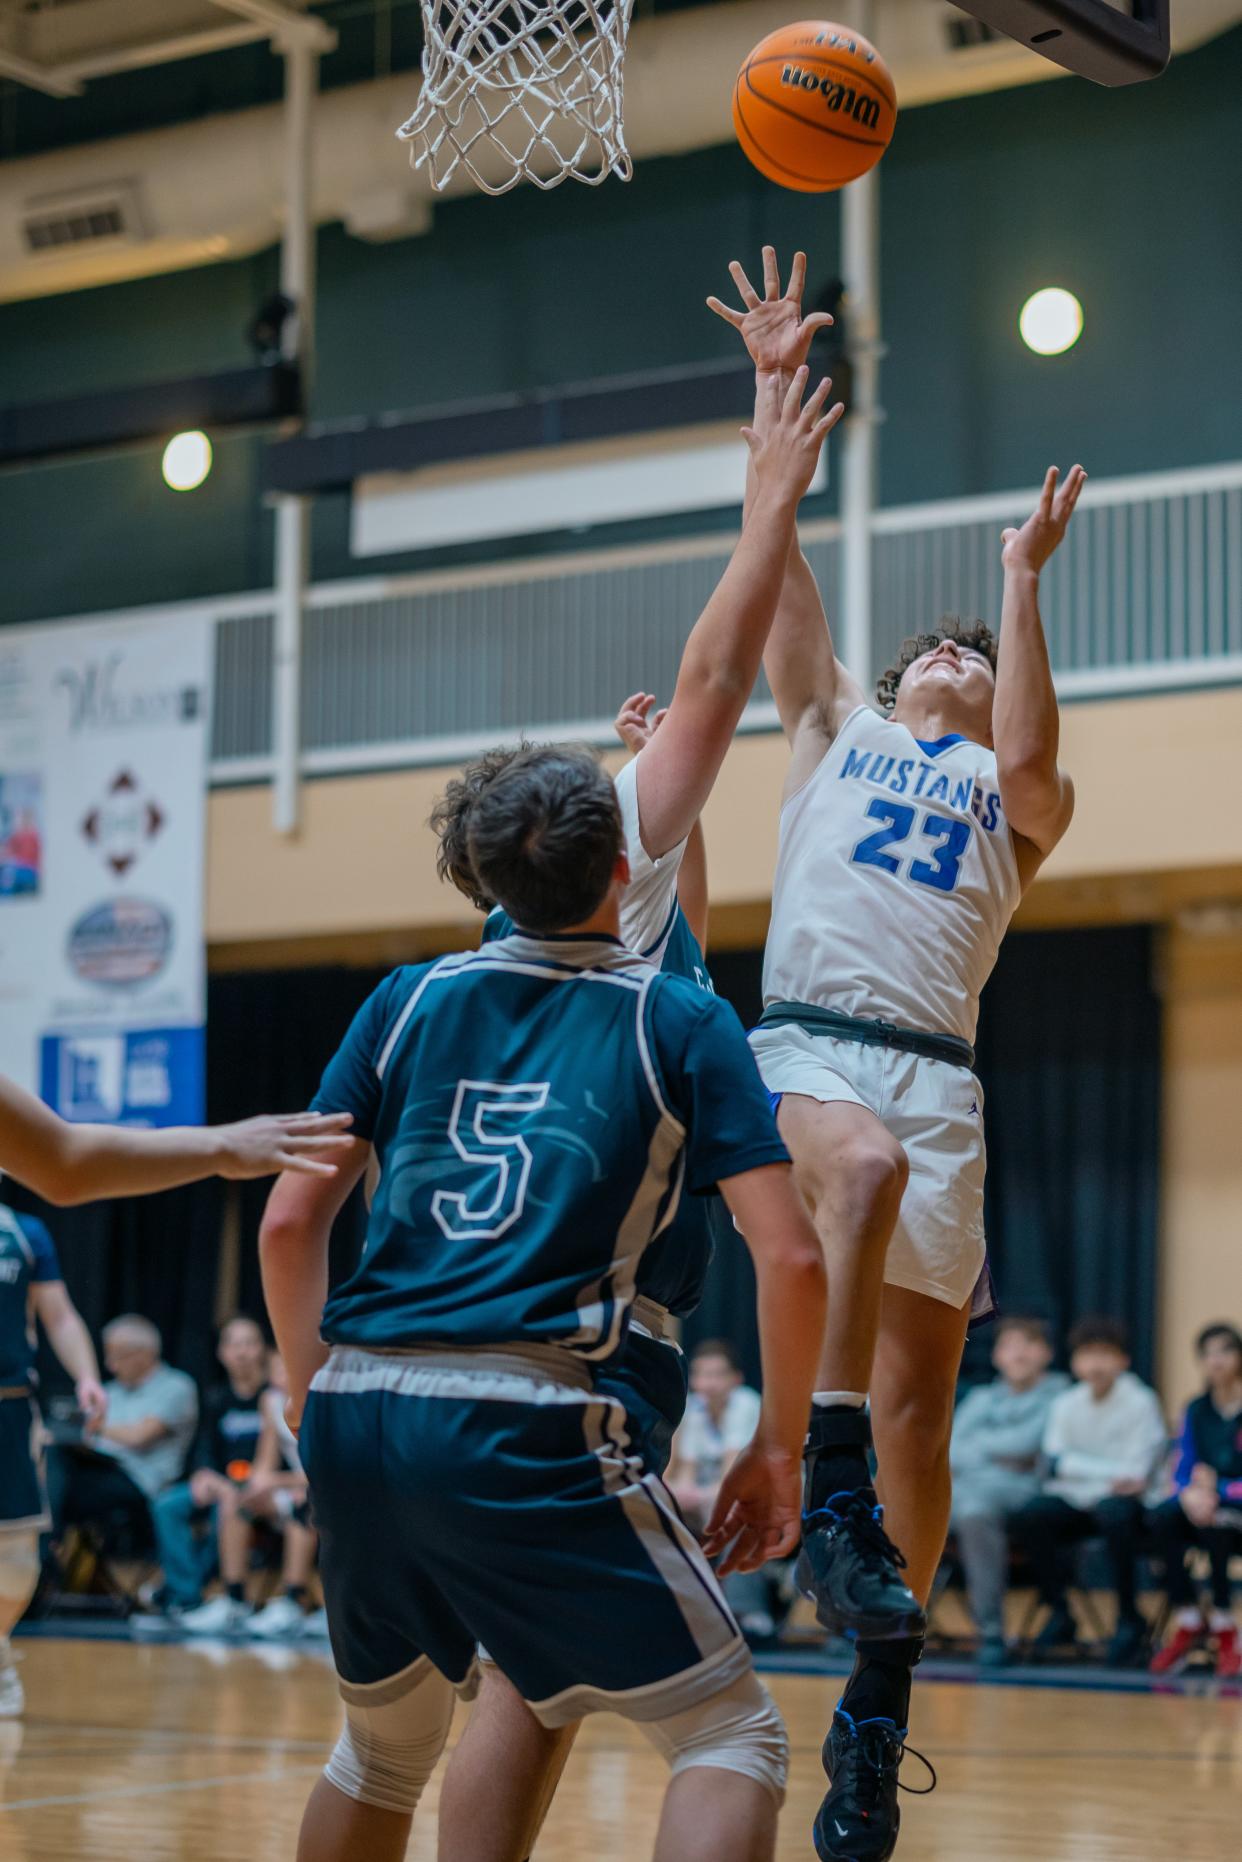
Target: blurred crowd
(1064, 1485)
(205, 1489)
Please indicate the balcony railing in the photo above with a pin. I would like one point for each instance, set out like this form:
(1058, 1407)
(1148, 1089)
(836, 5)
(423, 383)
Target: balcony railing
(1145, 595)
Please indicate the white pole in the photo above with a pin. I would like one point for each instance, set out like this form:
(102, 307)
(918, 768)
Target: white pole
(297, 280)
(860, 267)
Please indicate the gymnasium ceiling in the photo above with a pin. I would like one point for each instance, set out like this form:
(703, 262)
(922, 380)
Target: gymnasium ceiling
(74, 71)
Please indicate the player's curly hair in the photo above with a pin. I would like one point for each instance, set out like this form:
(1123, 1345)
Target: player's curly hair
(974, 634)
(450, 821)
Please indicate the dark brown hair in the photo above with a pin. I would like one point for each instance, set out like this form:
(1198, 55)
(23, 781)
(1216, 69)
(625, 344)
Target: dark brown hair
(1221, 1329)
(718, 1348)
(1036, 1329)
(450, 819)
(1099, 1331)
(543, 836)
(973, 634)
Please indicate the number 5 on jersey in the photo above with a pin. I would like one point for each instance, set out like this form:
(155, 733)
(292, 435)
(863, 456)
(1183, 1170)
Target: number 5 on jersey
(502, 1158)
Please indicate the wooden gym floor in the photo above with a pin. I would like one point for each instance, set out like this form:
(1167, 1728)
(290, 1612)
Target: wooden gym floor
(133, 1753)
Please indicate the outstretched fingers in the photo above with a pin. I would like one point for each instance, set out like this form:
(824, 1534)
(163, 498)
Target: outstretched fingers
(824, 427)
(315, 1122)
(1048, 493)
(726, 311)
(771, 275)
(797, 278)
(793, 394)
(1070, 493)
(750, 297)
(815, 401)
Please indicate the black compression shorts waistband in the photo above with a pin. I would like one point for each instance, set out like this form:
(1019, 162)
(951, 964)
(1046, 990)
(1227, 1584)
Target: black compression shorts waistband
(844, 1027)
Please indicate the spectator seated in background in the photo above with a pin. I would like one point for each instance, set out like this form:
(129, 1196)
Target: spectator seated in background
(722, 1414)
(721, 1417)
(276, 1493)
(224, 1453)
(140, 1447)
(998, 1434)
(1206, 1508)
(1104, 1442)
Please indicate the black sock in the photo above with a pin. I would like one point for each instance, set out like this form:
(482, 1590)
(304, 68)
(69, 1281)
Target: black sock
(237, 1592)
(835, 1454)
(297, 1592)
(879, 1687)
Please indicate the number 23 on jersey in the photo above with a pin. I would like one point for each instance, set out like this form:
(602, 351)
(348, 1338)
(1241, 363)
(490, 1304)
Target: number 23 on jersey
(931, 851)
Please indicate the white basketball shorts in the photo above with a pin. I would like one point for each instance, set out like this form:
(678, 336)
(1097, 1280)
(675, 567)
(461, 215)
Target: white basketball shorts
(934, 1109)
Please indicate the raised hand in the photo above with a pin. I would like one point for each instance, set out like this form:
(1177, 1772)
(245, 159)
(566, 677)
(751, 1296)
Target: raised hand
(787, 450)
(758, 1511)
(634, 724)
(301, 1141)
(1030, 547)
(773, 328)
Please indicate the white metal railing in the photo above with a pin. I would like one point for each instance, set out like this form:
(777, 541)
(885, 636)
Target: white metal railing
(1145, 595)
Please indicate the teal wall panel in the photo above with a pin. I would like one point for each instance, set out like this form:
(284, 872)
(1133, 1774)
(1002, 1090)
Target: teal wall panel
(1131, 198)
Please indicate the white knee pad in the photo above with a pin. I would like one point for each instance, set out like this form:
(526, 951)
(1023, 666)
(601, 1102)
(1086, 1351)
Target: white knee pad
(738, 1730)
(19, 1567)
(394, 1732)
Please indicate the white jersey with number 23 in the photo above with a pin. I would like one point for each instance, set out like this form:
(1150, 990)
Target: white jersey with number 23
(895, 881)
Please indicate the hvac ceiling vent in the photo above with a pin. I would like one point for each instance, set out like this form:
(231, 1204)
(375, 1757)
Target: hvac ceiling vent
(965, 33)
(105, 216)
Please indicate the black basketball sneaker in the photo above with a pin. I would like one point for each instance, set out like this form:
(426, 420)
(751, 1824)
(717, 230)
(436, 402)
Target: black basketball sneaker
(860, 1818)
(851, 1571)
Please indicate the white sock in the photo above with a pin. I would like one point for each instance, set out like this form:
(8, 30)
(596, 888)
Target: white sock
(838, 1399)
(1189, 1618)
(1221, 1619)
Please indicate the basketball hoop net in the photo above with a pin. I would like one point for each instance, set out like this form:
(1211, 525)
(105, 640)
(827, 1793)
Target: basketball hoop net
(522, 90)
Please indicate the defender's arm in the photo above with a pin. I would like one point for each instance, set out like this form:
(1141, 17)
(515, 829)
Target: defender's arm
(792, 1298)
(692, 885)
(293, 1256)
(69, 1164)
(722, 656)
(1037, 797)
(810, 685)
(808, 682)
(70, 1340)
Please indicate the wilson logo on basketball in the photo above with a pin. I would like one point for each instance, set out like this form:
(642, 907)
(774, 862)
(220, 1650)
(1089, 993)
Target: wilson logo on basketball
(840, 99)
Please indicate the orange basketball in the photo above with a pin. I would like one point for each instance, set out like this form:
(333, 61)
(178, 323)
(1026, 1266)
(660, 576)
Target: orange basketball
(814, 106)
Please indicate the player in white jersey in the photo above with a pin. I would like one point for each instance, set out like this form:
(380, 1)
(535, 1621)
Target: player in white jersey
(907, 837)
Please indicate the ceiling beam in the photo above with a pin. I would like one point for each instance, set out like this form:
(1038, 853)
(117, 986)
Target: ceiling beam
(161, 51)
(45, 78)
(284, 22)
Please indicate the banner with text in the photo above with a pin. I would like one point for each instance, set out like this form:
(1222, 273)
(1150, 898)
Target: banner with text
(103, 788)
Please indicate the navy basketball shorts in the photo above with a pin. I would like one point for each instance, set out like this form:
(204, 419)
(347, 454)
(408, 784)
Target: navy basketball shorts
(23, 1498)
(650, 1379)
(465, 1498)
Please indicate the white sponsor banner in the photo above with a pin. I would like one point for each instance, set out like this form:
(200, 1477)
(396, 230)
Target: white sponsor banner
(103, 784)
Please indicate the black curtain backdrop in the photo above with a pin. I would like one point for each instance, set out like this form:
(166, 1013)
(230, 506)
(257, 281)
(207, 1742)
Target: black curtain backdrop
(1069, 1057)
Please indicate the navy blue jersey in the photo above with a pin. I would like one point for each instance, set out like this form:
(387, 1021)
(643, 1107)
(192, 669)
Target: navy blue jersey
(537, 1108)
(674, 1268)
(27, 1259)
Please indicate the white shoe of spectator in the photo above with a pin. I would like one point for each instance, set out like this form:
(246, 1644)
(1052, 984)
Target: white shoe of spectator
(278, 1621)
(221, 1617)
(12, 1693)
(316, 1625)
